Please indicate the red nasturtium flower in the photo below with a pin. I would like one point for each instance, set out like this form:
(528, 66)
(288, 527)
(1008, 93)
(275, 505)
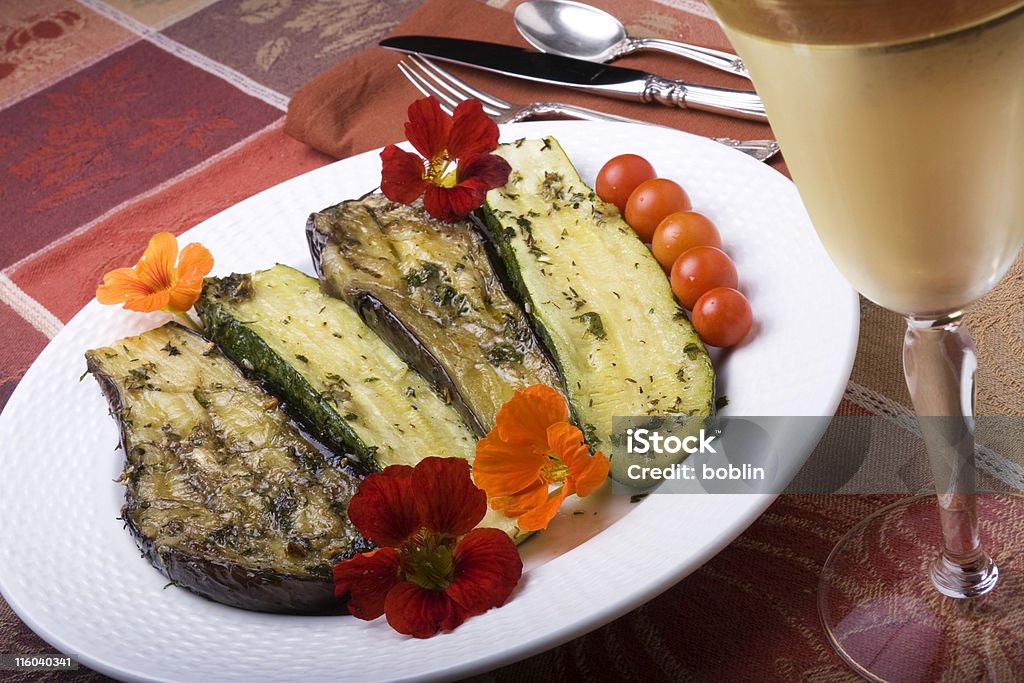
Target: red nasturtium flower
(454, 168)
(155, 283)
(432, 569)
(531, 448)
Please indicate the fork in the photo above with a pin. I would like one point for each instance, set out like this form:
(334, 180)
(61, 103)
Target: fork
(430, 79)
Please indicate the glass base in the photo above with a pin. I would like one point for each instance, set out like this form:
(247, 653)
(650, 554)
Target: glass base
(886, 619)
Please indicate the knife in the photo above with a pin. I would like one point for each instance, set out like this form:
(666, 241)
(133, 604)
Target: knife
(601, 79)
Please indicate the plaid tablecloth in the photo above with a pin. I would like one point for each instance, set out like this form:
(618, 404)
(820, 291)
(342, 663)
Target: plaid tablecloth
(123, 117)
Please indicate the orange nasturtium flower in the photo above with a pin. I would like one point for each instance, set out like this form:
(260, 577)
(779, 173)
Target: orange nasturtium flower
(532, 448)
(155, 283)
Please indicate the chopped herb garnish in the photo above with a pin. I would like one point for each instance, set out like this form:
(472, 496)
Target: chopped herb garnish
(593, 322)
(200, 399)
(420, 276)
(502, 353)
(589, 433)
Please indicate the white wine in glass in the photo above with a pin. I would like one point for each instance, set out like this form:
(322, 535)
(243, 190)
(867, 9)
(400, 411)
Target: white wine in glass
(902, 123)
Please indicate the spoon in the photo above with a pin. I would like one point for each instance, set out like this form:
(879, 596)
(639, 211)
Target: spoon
(573, 29)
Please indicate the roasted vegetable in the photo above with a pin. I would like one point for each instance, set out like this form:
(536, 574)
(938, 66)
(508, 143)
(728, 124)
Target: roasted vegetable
(430, 291)
(223, 494)
(345, 384)
(597, 297)
(315, 353)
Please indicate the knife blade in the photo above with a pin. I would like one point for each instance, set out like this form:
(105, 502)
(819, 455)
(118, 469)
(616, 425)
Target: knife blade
(602, 79)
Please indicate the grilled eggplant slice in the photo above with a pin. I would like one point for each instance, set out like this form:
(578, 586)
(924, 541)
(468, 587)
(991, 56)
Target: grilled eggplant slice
(223, 494)
(597, 298)
(430, 291)
(340, 378)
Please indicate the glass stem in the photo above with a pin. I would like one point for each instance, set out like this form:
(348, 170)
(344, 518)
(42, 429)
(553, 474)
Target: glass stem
(939, 361)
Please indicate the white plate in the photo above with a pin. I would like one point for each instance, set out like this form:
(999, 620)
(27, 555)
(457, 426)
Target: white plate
(74, 575)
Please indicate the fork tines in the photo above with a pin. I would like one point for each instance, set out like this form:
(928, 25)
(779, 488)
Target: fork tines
(449, 90)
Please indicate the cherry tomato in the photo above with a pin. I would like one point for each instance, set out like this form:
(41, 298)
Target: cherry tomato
(651, 201)
(680, 231)
(699, 269)
(722, 317)
(619, 177)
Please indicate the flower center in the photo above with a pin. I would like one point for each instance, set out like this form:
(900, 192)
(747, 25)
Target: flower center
(449, 179)
(442, 171)
(555, 471)
(427, 561)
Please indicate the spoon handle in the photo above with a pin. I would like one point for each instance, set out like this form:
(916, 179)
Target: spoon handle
(723, 61)
(738, 103)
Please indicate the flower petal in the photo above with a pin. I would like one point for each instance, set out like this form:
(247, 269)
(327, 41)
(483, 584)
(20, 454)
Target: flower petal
(525, 418)
(451, 204)
(156, 301)
(194, 263)
(487, 569)
(446, 498)
(489, 169)
(502, 469)
(182, 296)
(472, 131)
(156, 267)
(383, 508)
(539, 517)
(419, 612)
(586, 471)
(367, 578)
(519, 503)
(435, 201)
(401, 176)
(429, 128)
(119, 286)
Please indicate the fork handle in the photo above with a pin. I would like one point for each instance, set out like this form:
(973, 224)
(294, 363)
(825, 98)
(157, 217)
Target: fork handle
(743, 104)
(569, 110)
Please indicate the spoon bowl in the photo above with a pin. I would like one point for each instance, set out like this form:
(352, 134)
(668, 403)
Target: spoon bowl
(571, 29)
(574, 29)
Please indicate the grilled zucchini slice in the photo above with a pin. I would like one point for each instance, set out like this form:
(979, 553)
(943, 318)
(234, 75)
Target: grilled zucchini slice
(430, 291)
(223, 494)
(595, 294)
(338, 377)
(335, 373)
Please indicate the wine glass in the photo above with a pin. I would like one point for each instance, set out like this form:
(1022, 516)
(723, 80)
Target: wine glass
(902, 122)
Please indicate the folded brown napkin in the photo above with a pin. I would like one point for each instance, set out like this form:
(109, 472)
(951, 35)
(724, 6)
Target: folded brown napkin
(360, 104)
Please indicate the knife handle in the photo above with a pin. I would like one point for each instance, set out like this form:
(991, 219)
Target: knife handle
(742, 104)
